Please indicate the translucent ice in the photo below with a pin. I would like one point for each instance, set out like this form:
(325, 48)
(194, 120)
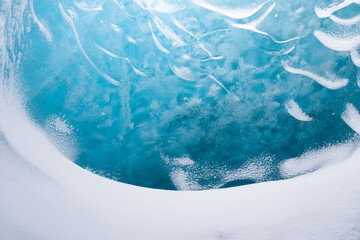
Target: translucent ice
(189, 94)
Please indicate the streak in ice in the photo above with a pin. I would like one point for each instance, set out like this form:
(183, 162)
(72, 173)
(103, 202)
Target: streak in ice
(122, 8)
(351, 117)
(168, 32)
(345, 21)
(83, 6)
(160, 6)
(236, 13)
(184, 73)
(137, 71)
(187, 57)
(253, 25)
(331, 83)
(337, 43)
(326, 12)
(198, 38)
(355, 56)
(41, 26)
(295, 111)
(156, 40)
(222, 85)
(280, 53)
(72, 25)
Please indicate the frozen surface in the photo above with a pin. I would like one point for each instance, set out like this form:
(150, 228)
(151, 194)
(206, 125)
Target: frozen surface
(57, 83)
(127, 88)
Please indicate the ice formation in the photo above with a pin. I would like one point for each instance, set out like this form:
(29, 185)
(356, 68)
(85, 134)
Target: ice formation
(179, 95)
(219, 84)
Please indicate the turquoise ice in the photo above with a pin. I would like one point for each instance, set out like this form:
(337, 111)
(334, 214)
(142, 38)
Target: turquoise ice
(193, 94)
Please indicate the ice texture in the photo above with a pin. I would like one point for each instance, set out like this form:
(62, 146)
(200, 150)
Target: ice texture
(136, 90)
(46, 196)
(294, 110)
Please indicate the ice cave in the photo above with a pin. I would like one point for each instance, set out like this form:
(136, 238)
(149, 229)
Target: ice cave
(180, 119)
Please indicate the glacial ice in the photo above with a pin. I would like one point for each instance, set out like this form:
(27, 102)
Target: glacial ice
(134, 81)
(181, 95)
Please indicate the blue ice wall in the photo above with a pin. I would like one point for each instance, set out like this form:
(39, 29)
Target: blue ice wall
(190, 94)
